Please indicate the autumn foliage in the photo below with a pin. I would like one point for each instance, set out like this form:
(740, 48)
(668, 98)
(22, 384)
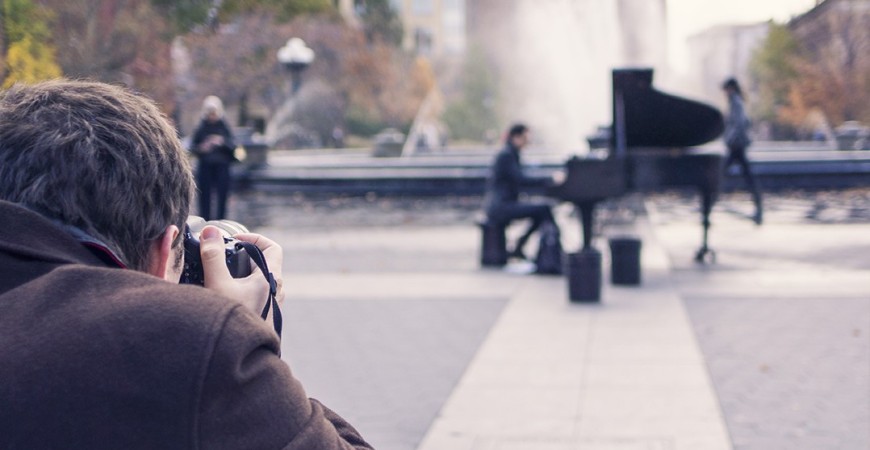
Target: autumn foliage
(374, 84)
(28, 55)
(177, 52)
(816, 76)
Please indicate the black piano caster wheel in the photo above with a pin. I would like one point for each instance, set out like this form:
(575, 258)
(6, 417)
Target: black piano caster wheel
(705, 255)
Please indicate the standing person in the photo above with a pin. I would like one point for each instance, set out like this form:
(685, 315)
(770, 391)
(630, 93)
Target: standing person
(100, 347)
(503, 190)
(337, 137)
(213, 143)
(737, 140)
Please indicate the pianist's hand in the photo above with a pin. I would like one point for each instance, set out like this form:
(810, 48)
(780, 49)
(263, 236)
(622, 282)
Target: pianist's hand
(558, 177)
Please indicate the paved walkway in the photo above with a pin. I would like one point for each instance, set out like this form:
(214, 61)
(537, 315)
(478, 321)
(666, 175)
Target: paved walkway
(783, 320)
(399, 330)
(625, 373)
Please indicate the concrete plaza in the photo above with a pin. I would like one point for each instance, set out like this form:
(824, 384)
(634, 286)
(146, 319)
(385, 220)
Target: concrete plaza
(391, 322)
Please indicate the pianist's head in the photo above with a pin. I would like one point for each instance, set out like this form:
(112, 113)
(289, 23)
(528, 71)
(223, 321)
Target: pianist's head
(518, 135)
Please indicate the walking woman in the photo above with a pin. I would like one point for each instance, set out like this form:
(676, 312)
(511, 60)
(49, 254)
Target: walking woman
(213, 144)
(737, 140)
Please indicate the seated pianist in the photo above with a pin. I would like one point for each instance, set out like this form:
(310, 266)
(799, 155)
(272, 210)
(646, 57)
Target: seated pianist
(501, 203)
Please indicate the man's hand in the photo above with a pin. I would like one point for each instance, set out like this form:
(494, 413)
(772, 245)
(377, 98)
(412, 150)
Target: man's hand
(210, 143)
(253, 290)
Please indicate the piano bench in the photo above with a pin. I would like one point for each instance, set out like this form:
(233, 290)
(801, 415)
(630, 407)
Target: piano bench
(493, 249)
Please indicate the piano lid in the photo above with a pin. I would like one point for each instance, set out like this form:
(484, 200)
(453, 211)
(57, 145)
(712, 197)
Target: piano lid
(645, 117)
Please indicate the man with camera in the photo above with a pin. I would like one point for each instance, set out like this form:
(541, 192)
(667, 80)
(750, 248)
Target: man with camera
(100, 347)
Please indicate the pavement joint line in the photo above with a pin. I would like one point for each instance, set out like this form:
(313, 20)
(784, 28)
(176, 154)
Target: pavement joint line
(782, 314)
(478, 416)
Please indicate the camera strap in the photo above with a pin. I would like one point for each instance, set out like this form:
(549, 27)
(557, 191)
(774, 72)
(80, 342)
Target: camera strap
(271, 303)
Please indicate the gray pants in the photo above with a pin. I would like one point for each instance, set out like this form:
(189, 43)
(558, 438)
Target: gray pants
(737, 155)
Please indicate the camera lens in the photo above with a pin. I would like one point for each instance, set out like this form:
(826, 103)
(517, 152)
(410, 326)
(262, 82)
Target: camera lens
(238, 261)
(229, 228)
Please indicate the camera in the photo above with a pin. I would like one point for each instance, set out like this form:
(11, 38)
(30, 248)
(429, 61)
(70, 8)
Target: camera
(237, 258)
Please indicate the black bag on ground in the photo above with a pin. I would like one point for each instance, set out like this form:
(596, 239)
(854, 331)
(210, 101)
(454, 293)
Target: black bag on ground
(549, 259)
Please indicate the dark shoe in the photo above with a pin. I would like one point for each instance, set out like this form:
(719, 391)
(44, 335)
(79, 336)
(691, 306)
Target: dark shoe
(517, 253)
(757, 218)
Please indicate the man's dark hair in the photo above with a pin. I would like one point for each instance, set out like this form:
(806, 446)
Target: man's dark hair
(731, 83)
(97, 157)
(516, 130)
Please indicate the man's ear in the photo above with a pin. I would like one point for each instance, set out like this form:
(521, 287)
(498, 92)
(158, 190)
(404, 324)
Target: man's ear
(160, 255)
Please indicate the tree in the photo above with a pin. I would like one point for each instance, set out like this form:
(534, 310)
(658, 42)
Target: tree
(372, 84)
(817, 71)
(115, 41)
(235, 63)
(834, 67)
(282, 10)
(27, 53)
(128, 41)
(382, 23)
(472, 114)
(773, 70)
(187, 15)
(29, 62)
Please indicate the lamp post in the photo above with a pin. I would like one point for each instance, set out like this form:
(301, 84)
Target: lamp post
(295, 55)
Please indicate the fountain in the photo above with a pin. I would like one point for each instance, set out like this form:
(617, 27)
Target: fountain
(556, 56)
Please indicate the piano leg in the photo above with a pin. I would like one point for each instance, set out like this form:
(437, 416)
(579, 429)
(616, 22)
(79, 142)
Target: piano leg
(708, 198)
(587, 214)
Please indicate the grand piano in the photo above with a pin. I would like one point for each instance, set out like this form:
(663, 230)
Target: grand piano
(652, 146)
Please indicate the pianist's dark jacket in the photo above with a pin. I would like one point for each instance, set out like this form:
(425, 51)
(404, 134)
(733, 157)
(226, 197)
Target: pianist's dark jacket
(506, 179)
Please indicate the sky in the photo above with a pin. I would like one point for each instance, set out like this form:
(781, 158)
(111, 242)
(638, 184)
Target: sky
(688, 17)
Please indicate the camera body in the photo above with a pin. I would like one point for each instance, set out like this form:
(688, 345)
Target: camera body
(237, 258)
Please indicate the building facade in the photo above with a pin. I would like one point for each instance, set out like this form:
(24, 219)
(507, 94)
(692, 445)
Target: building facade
(721, 52)
(839, 25)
